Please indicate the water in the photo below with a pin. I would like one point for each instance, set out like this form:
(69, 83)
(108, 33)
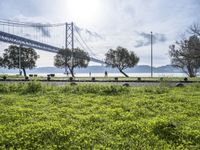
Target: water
(112, 74)
(129, 74)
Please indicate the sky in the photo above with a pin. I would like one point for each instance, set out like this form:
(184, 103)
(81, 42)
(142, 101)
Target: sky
(125, 23)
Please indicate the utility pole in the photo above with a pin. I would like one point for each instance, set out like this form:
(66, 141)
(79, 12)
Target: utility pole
(151, 54)
(72, 25)
(20, 47)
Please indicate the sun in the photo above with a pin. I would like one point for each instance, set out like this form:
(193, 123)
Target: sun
(84, 11)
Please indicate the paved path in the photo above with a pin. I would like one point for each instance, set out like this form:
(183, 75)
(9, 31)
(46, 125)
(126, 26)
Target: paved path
(109, 82)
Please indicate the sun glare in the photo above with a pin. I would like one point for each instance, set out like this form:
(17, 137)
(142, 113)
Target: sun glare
(86, 11)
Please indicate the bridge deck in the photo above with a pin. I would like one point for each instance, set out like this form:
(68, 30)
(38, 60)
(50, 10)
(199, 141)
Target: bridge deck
(14, 39)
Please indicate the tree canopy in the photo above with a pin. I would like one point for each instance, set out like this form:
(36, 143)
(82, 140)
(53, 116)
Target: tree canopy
(65, 58)
(186, 55)
(121, 59)
(17, 56)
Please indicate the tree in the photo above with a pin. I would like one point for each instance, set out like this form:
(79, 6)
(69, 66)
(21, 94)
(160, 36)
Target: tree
(17, 56)
(195, 29)
(66, 59)
(1, 62)
(121, 59)
(186, 55)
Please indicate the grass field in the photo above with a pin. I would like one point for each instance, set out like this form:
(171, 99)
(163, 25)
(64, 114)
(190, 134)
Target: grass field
(35, 116)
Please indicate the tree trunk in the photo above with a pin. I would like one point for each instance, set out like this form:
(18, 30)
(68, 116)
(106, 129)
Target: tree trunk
(123, 73)
(72, 72)
(24, 71)
(191, 72)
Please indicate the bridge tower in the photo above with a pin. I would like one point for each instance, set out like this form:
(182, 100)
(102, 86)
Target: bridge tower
(69, 43)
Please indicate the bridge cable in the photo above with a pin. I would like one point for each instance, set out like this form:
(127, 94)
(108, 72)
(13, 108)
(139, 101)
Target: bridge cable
(76, 29)
(28, 24)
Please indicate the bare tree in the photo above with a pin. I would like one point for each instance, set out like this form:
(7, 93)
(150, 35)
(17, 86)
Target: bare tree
(194, 29)
(186, 55)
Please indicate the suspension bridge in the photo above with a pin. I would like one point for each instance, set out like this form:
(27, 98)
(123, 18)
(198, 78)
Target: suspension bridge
(46, 37)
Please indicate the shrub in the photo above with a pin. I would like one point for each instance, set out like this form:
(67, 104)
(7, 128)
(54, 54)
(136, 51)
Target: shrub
(48, 78)
(113, 90)
(95, 89)
(52, 75)
(33, 87)
(4, 77)
(4, 88)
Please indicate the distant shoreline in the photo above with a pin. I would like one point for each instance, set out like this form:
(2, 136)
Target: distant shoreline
(109, 74)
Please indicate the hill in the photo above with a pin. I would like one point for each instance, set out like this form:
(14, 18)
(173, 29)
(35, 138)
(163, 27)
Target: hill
(100, 69)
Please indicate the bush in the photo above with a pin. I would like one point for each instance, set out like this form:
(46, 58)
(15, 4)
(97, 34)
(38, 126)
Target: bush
(95, 89)
(4, 77)
(52, 75)
(4, 88)
(7, 88)
(33, 87)
(48, 78)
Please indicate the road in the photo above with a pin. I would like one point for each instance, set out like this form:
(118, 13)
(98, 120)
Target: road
(108, 82)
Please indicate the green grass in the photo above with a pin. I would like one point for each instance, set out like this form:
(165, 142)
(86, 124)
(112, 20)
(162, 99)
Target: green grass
(35, 116)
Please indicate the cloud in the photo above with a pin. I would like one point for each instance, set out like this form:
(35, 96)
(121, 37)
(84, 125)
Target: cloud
(35, 25)
(89, 36)
(43, 30)
(93, 34)
(146, 39)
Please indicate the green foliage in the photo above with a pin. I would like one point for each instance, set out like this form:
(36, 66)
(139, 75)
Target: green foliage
(121, 59)
(38, 116)
(33, 87)
(64, 58)
(28, 57)
(4, 88)
(167, 131)
(157, 90)
(95, 89)
(8, 88)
